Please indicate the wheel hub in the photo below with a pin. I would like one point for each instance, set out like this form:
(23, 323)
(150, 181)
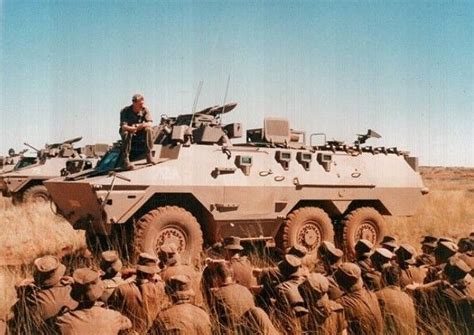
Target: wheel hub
(367, 232)
(309, 236)
(171, 235)
(40, 199)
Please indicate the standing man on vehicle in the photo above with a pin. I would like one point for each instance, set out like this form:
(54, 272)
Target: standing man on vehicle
(136, 120)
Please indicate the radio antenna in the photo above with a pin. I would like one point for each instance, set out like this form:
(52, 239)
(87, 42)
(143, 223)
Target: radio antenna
(225, 98)
(196, 98)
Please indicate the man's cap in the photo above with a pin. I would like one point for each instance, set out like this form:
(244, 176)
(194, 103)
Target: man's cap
(329, 250)
(429, 241)
(48, 271)
(405, 252)
(147, 263)
(232, 243)
(169, 248)
(137, 97)
(297, 250)
(110, 261)
(456, 268)
(446, 248)
(179, 285)
(87, 287)
(318, 282)
(348, 274)
(389, 242)
(383, 254)
(445, 239)
(292, 260)
(363, 246)
(465, 244)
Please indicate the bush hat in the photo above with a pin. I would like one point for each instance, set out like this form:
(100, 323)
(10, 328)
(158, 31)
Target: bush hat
(110, 262)
(48, 271)
(232, 243)
(87, 287)
(147, 263)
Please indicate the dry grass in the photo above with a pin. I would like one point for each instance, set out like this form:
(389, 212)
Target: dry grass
(29, 232)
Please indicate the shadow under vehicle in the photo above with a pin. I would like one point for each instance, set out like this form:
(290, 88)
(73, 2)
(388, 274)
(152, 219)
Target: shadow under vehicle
(25, 182)
(275, 187)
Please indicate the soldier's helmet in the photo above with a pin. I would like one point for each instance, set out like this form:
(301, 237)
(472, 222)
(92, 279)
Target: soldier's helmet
(147, 263)
(110, 262)
(348, 276)
(87, 287)
(48, 271)
(179, 286)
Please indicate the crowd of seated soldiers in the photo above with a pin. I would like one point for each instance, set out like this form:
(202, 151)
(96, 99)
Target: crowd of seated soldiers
(382, 289)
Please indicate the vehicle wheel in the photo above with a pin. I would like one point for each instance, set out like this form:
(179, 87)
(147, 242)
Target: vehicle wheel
(307, 226)
(36, 194)
(362, 223)
(168, 224)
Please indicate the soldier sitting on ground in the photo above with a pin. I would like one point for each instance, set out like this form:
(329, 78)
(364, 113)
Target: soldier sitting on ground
(170, 261)
(397, 307)
(428, 245)
(363, 250)
(143, 296)
(136, 120)
(241, 266)
(442, 253)
(410, 274)
(183, 317)
(331, 258)
(380, 259)
(90, 317)
(325, 315)
(234, 305)
(110, 266)
(42, 298)
(360, 305)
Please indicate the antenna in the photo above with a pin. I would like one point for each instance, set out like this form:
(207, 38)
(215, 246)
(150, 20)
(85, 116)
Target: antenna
(195, 102)
(225, 98)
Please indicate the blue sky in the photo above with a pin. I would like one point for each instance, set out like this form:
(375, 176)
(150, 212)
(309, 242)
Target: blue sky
(404, 69)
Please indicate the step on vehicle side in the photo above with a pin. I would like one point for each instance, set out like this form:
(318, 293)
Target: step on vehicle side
(25, 182)
(274, 187)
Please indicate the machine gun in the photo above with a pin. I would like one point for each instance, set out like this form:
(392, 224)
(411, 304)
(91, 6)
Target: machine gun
(362, 138)
(63, 149)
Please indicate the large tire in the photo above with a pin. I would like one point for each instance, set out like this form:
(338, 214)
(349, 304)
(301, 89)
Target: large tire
(36, 194)
(307, 226)
(362, 223)
(168, 224)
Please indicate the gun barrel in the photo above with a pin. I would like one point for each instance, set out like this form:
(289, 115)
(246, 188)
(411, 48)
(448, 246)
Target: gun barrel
(30, 146)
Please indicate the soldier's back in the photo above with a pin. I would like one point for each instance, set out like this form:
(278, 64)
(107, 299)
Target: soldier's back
(110, 285)
(362, 312)
(398, 311)
(242, 269)
(140, 302)
(412, 275)
(187, 270)
(182, 319)
(325, 317)
(233, 301)
(94, 320)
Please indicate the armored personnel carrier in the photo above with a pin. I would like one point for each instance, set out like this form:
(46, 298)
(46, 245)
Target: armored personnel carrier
(7, 163)
(274, 187)
(24, 183)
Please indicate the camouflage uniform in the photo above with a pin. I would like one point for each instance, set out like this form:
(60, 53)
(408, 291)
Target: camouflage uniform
(182, 317)
(43, 298)
(360, 305)
(140, 299)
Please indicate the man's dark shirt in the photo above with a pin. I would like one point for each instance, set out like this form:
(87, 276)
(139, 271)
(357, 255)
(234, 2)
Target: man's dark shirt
(129, 117)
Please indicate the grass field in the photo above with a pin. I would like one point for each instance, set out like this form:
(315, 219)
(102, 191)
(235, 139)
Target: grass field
(28, 232)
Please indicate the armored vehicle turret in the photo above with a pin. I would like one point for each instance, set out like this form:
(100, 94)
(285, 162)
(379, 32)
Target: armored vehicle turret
(274, 187)
(24, 183)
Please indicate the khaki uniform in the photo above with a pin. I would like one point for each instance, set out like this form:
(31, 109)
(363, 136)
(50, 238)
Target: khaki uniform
(425, 259)
(110, 285)
(372, 279)
(182, 318)
(94, 320)
(242, 269)
(36, 307)
(362, 312)
(140, 301)
(410, 275)
(325, 317)
(289, 305)
(130, 118)
(398, 311)
(187, 270)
